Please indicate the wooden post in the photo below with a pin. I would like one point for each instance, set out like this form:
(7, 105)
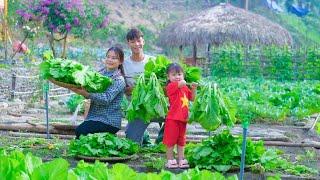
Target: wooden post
(181, 53)
(208, 61)
(194, 54)
(5, 30)
(13, 86)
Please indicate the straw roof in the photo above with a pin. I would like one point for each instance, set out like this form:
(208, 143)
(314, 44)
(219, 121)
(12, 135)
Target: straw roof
(223, 23)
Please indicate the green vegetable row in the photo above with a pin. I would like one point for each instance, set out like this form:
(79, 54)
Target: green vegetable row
(17, 166)
(222, 152)
(269, 100)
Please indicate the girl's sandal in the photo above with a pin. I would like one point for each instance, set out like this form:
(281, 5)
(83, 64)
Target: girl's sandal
(183, 164)
(172, 164)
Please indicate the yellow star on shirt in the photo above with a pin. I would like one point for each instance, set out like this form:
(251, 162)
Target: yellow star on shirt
(185, 101)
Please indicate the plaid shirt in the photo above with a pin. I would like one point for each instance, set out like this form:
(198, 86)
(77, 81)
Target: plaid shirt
(105, 107)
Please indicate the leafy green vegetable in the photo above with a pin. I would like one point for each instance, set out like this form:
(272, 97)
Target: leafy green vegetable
(318, 128)
(73, 101)
(102, 145)
(269, 100)
(157, 66)
(71, 72)
(192, 74)
(19, 166)
(55, 169)
(160, 64)
(148, 100)
(16, 165)
(271, 161)
(84, 170)
(158, 148)
(211, 108)
(223, 151)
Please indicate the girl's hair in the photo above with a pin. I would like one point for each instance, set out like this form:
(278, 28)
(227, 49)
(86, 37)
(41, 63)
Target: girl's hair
(174, 67)
(120, 54)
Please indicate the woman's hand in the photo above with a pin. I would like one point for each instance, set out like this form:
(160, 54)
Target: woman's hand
(80, 91)
(61, 84)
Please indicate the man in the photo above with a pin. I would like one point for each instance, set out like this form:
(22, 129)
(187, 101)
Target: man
(134, 66)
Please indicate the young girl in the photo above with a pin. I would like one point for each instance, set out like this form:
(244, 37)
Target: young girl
(176, 121)
(105, 112)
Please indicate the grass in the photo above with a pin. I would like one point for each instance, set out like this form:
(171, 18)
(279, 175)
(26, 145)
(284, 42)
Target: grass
(45, 148)
(317, 128)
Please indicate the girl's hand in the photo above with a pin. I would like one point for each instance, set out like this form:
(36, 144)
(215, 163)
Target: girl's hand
(182, 83)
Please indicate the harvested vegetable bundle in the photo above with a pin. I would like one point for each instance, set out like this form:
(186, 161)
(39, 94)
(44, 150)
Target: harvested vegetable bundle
(148, 101)
(102, 145)
(74, 73)
(222, 152)
(160, 64)
(211, 108)
(192, 74)
(136, 108)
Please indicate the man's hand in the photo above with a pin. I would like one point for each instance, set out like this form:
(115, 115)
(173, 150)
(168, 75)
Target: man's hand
(128, 90)
(194, 85)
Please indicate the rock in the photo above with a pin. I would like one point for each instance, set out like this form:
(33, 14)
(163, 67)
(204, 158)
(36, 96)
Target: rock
(61, 103)
(34, 111)
(3, 105)
(300, 123)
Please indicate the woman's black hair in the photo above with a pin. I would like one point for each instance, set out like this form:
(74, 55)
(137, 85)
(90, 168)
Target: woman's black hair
(174, 67)
(120, 54)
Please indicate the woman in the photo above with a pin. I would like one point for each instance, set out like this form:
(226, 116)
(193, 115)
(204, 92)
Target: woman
(105, 112)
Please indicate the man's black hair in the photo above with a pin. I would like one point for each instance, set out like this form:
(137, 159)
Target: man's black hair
(134, 33)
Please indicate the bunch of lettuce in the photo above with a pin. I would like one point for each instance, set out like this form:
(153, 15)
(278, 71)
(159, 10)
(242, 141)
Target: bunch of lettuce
(160, 64)
(148, 101)
(222, 151)
(73, 101)
(211, 108)
(74, 73)
(102, 145)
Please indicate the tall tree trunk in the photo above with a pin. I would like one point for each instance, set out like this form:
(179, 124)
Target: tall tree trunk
(64, 46)
(51, 42)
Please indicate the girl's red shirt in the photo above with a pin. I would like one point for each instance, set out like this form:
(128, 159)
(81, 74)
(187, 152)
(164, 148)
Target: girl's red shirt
(179, 101)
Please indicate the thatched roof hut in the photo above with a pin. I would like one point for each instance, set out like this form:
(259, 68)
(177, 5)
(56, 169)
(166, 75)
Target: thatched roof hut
(224, 23)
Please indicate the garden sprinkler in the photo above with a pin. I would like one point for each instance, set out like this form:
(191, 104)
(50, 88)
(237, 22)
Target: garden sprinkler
(245, 125)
